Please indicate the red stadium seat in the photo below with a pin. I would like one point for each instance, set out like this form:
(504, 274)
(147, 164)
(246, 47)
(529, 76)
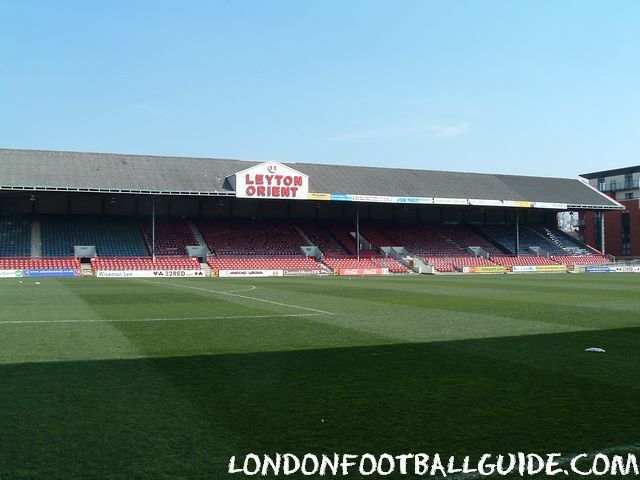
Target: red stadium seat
(145, 263)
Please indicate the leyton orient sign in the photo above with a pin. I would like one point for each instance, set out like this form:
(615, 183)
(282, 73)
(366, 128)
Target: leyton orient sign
(271, 180)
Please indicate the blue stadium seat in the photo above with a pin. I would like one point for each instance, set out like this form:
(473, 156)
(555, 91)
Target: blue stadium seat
(112, 236)
(15, 236)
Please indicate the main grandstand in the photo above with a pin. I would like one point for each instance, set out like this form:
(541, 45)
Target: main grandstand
(71, 213)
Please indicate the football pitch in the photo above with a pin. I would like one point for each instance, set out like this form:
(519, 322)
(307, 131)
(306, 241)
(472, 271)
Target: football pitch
(166, 379)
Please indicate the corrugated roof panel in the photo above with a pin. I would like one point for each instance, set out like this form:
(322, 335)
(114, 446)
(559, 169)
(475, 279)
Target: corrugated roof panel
(75, 170)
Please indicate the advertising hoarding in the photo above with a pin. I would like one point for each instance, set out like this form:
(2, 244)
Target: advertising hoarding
(249, 273)
(489, 269)
(149, 273)
(363, 271)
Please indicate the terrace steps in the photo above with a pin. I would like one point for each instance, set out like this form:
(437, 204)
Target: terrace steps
(36, 239)
(198, 236)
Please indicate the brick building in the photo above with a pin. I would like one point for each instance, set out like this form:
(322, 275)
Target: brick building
(621, 228)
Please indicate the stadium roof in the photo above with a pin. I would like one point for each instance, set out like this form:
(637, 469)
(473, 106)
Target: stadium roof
(611, 173)
(40, 170)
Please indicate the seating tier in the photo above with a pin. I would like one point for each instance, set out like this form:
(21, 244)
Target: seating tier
(112, 236)
(263, 238)
(15, 236)
(39, 263)
(145, 263)
(263, 263)
(172, 236)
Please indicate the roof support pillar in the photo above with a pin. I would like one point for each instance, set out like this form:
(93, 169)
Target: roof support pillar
(153, 228)
(602, 242)
(358, 231)
(517, 233)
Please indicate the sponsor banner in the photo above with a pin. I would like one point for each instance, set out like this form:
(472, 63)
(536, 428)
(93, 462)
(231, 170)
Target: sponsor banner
(303, 273)
(599, 269)
(551, 268)
(451, 201)
(523, 268)
(612, 269)
(10, 273)
(363, 271)
(60, 272)
(250, 273)
(373, 198)
(554, 206)
(318, 196)
(348, 197)
(626, 269)
(491, 269)
(520, 204)
(149, 273)
(341, 197)
(485, 203)
(271, 180)
(539, 268)
(420, 200)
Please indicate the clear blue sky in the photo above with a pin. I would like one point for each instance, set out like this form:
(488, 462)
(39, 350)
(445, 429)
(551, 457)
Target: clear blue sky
(528, 87)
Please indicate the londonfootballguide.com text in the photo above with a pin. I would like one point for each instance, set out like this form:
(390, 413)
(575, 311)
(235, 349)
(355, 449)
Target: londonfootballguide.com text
(436, 465)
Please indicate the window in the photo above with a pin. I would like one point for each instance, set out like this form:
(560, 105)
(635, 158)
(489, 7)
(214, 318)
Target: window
(628, 196)
(613, 185)
(602, 184)
(626, 233)
(628, 180)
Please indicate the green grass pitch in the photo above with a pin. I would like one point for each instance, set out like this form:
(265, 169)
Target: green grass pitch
(133, 379)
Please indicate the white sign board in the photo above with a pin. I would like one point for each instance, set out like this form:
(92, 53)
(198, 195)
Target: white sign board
(485, 203)
(250, 273)
(10, 273)
(627, 269)
(523, 268)
(450, 201)
(149, 273)
(554, 206)
(271, 180)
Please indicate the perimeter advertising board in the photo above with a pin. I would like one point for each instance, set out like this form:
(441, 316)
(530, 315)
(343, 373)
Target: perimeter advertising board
(149, 273)
(538, 268)
(303, 273)
(612, 269)
(523, 268)
(491, 269)
(551, 268)
(249, 273)
(10, 273)
(60, 272)
(598, 269)
(627, 269)
(363, 271)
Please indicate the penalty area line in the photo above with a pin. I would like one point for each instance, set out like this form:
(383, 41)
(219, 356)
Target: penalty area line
(233, 294)
(173, 319)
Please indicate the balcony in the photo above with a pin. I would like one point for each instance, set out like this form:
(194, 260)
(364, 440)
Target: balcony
(618, 186)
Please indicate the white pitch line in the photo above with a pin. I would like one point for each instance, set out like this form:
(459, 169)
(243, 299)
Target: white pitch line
(232, 294)
(175, 319)
(251, 287)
